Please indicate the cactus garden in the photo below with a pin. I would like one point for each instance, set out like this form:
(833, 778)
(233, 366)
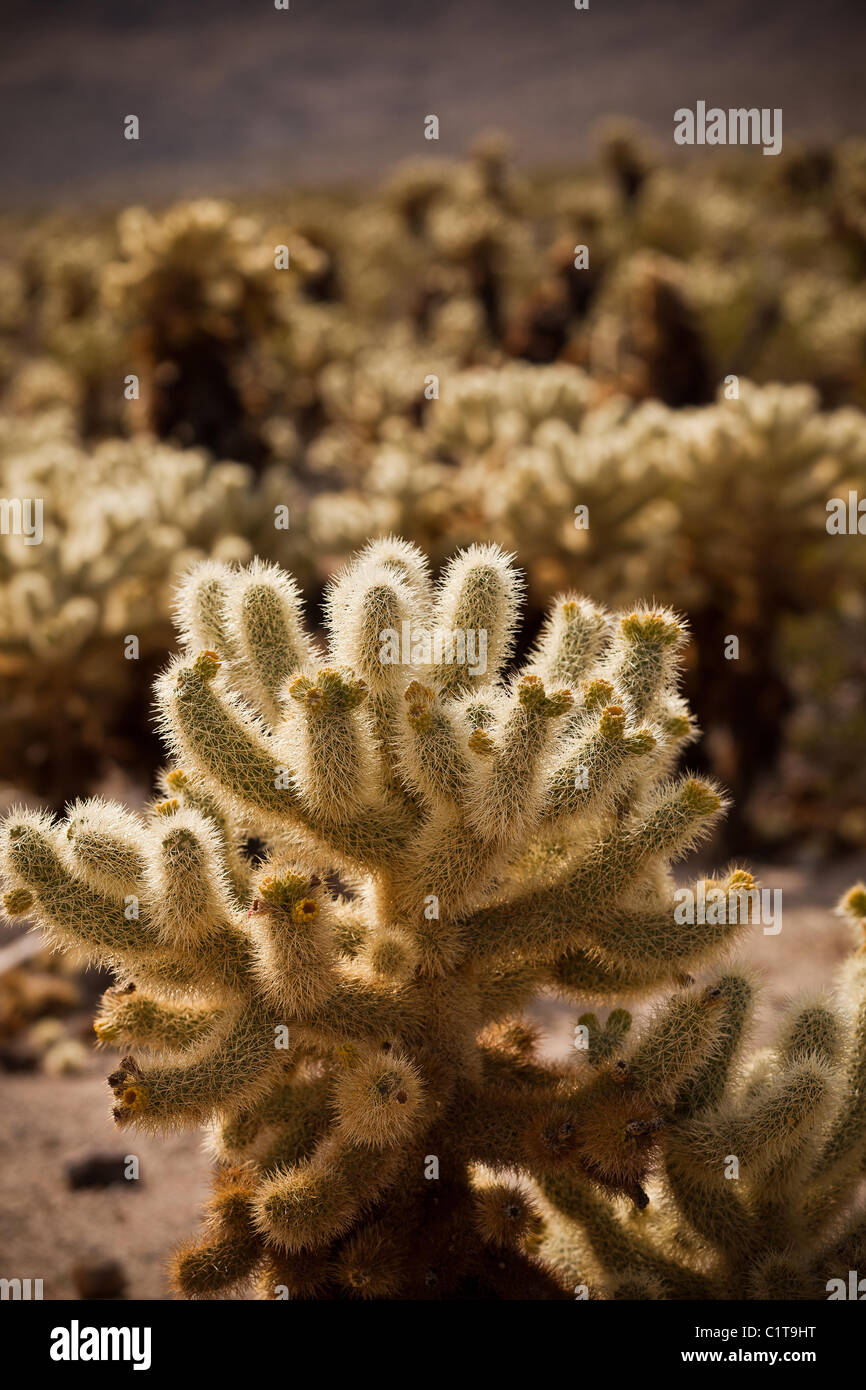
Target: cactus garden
(432, 688)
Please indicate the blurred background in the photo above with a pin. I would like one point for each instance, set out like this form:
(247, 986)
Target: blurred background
(437, 359)
(240, 96)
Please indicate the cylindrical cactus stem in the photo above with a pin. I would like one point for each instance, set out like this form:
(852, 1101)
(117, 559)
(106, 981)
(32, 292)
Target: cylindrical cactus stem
(129, 1018)
(643, 660)
(367, 606)
(200, 610)
(104, 843)
(231, 1248)
(760, 1133)
(684, 1033)
(477, 600)
(675, 819)
(223, 1074)
(88, 920)
(218, 967)
(433, 756)
(222, 742)
(407, 562)
(611, 1248)
(295, 950)
(709, 1157)
(636, 937)
(185, 880)
(191, 795)
(811, 1028)
(264, 615)
(580, 976)
(596, 766)
(707, 1085)
(326, 745)
(505, 795)
(542, 926)
(709, 1200)
(311, 1204)
(571, 640)
(373, 608)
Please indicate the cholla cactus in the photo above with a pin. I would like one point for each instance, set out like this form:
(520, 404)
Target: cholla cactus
(485, 406)
(760, 1194)
(720, 510)
(196, 288)
(118, 524)
(57, 343)
(377, 1103)
(486, 422)
(647, 338)
(750, 480)
(629, 159)
(453, 231)
(816, 777)
(380, 382)
(819, 338)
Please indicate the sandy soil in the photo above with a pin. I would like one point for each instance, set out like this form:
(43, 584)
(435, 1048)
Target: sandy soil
(46, 1229)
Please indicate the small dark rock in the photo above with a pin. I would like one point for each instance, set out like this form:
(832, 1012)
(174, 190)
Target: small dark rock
(19, 1058)
(97, 1170)
(99, 1280)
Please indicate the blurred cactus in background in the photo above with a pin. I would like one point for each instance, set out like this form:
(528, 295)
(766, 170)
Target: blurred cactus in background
(646, 379)
(85, 613)
(647, 340)
(196, 289)
(444, 839)
(721, 511)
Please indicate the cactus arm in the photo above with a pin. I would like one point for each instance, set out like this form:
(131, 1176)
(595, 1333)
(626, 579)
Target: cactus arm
(223, 1073)
(230, 1248)
(505, 796)
(134, 1020)
(596, 767)
(540, 925)
(571, 640)
(263, 617)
